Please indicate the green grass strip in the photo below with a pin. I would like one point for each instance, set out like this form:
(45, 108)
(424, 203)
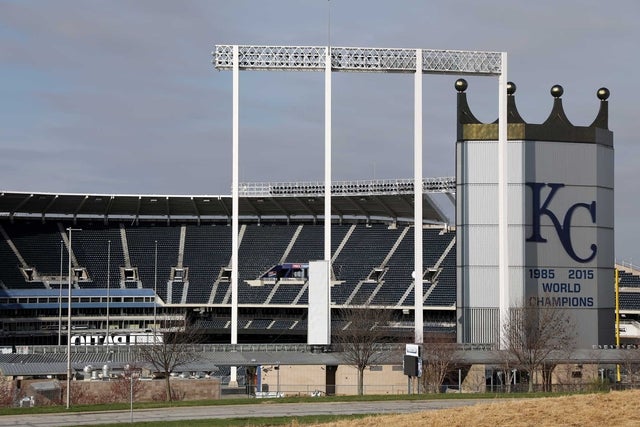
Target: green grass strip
(246, 401)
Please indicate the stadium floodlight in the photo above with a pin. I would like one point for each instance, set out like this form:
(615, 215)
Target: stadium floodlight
(69, 230)
(362, 59)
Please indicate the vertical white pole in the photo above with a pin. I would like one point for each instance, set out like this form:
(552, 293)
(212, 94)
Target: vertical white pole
(327, 181)
(131, 395)
(60, 296)
(106, 338)
(234, 208)
(503, 218)
(327, 156)
(69, 329)
(155, 293)
(417, 199)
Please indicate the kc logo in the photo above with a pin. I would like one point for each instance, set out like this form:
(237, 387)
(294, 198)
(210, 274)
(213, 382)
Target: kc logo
(540, 208)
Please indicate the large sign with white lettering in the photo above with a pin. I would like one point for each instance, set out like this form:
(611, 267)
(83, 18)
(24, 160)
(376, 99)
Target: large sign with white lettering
(123, 339)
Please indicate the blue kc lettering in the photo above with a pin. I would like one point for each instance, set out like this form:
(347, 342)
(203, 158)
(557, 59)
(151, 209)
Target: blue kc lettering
(541, 208)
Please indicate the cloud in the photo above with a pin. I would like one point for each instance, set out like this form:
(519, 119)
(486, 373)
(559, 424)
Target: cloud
(123, 95)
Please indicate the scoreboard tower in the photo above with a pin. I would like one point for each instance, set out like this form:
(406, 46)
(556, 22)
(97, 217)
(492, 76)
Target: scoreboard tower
(560, 220)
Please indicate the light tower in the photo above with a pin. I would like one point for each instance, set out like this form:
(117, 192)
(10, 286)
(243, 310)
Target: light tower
(330, 59)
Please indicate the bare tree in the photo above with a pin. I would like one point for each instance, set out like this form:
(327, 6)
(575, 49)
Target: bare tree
(531, 334)
(126, 385)
(361, 339)
(438, 357)
(170, 351)
(7, 391)
(507, 367)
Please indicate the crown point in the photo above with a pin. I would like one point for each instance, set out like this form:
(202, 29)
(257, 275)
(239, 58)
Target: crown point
(603, 94)
(557, 91)
(461, 85)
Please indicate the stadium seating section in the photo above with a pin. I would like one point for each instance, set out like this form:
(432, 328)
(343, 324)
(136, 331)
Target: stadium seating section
(203, 251)
(372, 265)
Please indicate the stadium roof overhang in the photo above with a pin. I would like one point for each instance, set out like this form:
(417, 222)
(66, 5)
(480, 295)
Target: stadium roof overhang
(391, 199)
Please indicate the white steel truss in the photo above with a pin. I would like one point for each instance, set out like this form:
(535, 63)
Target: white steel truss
(359, 59)
(346, 188)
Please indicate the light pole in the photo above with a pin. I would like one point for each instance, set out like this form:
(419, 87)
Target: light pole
(278, 378)
(131, 393)
(108, 287)
(69, 229)
(155, 292)
(60, 296)
(130, 370)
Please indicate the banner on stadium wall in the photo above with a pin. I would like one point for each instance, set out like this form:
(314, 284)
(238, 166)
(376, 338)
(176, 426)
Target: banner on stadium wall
(124, 339)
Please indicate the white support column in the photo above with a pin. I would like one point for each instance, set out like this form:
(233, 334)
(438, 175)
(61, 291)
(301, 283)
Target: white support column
(327, 157)
(69, 326)
(327, 181)
(503, 186)
(234, 208)
(417, 199)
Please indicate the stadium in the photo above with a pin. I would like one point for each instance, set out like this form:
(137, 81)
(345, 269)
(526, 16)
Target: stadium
(188, 281)
(95, 270)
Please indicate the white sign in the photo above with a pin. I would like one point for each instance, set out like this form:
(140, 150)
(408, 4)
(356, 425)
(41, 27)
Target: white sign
(130, 339)
(412, 350)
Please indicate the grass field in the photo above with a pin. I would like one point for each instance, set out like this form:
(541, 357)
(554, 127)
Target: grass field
(617, 408)
(245, 400)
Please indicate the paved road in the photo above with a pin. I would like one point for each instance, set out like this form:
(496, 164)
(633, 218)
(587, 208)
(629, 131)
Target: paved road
(233, 411)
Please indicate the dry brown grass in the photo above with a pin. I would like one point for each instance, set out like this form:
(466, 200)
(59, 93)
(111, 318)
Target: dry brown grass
(610, 409)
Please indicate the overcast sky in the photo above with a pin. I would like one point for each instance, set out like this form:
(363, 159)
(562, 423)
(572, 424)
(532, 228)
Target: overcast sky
(121, 97)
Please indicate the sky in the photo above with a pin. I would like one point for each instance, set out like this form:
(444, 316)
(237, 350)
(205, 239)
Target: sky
(120, 97)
